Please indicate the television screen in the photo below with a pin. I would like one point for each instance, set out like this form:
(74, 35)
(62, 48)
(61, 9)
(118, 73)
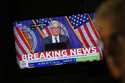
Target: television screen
(56, 40)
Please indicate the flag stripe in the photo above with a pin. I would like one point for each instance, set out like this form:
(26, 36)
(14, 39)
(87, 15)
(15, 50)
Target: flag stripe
(80, 38)
(92, 33)
(26, 41)
(20, 33)
(19, 47)
(19, 56)
(21, 41)
(86, 37)
(83, 37)
(93, 27)
(89, 35)
(23, 37)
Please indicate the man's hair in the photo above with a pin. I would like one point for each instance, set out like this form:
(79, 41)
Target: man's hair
(54, 23)
(115, 11)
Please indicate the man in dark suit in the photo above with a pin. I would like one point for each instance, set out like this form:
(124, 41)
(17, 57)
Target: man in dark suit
(57, 40)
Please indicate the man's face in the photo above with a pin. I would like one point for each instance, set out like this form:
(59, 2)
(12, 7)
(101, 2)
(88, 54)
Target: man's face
(55, 30)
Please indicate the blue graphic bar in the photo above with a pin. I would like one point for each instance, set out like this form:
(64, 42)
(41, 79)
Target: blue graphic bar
(54, 62)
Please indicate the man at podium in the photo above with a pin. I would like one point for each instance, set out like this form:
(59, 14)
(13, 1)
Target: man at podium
(56, 41)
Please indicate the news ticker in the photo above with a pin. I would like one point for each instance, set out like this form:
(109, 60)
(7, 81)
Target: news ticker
(65, 61)
(90, 58)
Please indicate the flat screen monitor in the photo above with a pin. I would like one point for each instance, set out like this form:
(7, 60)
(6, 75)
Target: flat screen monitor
(56, 40)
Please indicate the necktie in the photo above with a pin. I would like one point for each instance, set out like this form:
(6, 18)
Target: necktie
(56, 39)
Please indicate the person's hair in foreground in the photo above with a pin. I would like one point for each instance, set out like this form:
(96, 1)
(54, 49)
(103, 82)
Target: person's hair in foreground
(110, 19)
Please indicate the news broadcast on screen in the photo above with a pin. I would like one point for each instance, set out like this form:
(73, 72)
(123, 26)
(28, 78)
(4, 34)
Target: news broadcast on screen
(56, 40)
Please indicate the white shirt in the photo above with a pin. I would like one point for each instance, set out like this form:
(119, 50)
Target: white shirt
(53, 39)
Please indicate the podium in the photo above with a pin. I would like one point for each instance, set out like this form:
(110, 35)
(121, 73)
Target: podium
(55, 46)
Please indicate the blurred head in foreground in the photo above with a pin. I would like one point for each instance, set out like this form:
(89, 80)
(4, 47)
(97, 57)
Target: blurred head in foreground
(110, 19)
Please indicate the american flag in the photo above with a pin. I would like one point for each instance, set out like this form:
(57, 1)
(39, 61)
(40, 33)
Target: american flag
(21, 42)
(42, 26)
(83, 27)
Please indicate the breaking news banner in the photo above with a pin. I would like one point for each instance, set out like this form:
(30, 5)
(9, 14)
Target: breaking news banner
(57, 40)
(61, 57)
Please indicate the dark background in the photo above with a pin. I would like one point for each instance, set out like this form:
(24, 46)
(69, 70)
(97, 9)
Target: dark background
(13, 10)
